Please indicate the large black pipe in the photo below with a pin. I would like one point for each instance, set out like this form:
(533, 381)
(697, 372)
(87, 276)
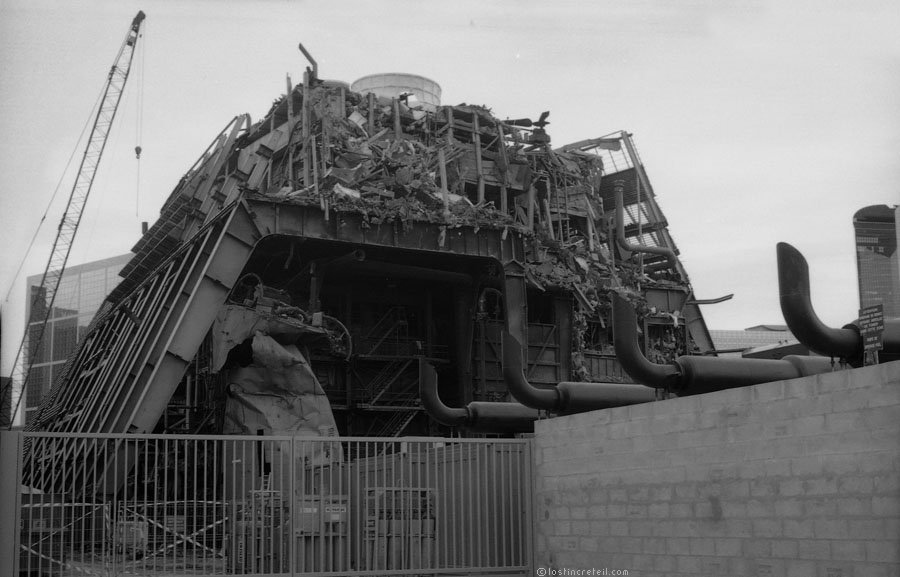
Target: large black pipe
(688, 375)
(796, 306)
(566, 397)
(619, 192)
(478, 415)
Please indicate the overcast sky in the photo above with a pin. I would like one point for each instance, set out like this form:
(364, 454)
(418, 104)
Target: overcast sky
(758, 122)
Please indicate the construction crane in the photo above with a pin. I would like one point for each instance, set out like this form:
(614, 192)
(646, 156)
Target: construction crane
(44, 296)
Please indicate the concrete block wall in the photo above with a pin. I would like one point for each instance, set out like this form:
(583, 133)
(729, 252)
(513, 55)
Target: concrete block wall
(795, 478)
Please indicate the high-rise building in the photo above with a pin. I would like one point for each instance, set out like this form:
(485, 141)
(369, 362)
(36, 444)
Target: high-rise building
(81, 291)
(5, 402)
(877, 259)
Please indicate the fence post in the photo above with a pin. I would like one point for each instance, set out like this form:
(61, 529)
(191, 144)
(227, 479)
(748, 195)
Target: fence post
(531, 506)
(10, 484)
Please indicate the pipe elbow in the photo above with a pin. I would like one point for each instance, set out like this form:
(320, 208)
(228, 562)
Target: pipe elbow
(521, 389)
(432, 403)
(566, 397)
(619, 191)
(796, 306)
(629, 355)
(483, 416)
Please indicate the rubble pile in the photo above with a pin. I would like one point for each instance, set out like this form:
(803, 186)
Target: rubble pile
(394, 161)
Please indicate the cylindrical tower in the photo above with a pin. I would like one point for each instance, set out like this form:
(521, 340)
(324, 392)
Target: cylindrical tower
(425, 91)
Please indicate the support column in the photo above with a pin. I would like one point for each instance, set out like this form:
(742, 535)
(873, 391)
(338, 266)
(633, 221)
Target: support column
(515, 299)
(563, 317)
(463, 303)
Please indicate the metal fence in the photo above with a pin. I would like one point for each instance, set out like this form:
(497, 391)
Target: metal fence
(189, 505)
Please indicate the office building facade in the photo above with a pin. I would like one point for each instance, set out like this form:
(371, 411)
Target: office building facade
(81, 291)
(877, 259)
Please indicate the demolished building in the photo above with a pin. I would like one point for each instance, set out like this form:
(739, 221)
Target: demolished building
(306, 262)
(329, 297)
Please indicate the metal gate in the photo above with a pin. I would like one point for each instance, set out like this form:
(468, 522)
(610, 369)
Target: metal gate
(162, 504)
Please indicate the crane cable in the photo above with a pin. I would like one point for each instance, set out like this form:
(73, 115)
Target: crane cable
(62, 177)
(77, 147)
(140, 122)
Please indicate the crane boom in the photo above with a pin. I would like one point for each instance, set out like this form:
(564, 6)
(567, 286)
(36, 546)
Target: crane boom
(43, 298)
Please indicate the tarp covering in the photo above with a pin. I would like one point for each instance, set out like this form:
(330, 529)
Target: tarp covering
(278, 394)
(235, 324)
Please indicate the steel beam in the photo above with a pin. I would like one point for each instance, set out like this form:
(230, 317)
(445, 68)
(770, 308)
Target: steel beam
(134, 359)
(309, 222)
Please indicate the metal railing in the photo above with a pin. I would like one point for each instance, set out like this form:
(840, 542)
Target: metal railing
(218, 505)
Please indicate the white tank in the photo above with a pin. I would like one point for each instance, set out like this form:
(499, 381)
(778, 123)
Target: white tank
(394, 84)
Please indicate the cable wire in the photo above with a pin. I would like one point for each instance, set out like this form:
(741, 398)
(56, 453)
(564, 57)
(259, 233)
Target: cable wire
(138, 149)
(62, 177)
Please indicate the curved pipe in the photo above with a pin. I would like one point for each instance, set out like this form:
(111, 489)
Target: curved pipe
(566, 397)
(619, 190)
(690, 375)
(629, 355)
(315, 65)
(846, 342)
(793, 294)
(482, 416)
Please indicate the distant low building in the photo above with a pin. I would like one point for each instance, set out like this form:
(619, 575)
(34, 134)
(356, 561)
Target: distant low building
(738, 343)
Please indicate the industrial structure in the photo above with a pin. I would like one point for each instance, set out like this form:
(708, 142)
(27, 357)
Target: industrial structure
(359, 231)
(365, 262)
(309, 276)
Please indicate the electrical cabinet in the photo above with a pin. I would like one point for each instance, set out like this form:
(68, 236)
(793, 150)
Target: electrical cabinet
(399, 528)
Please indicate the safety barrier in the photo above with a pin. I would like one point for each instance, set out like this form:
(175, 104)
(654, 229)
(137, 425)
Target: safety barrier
(162, 504)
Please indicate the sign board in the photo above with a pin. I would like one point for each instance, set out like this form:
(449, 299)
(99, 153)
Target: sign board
(871, 327)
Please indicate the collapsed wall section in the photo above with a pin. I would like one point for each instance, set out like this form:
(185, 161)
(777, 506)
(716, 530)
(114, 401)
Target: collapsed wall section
(789, 478)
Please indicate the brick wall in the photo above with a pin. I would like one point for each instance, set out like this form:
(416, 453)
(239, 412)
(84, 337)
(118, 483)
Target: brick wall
(796, 478)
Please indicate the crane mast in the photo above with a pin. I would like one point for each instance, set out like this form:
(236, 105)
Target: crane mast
(44, 296)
